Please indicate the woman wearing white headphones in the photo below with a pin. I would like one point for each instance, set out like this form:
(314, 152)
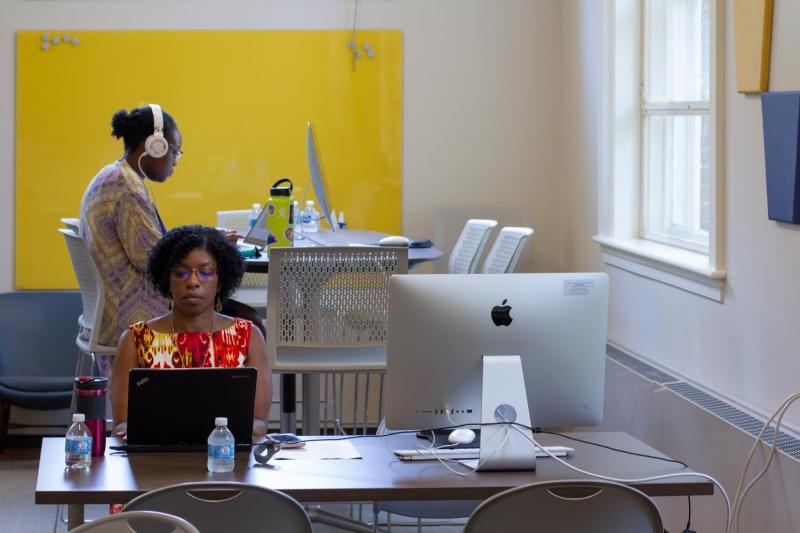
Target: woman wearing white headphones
(120, 222)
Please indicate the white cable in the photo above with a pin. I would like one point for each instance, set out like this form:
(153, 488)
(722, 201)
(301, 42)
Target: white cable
(738, 506)
(740, 494)
(638, 480)
(139, 164)
(444, 460)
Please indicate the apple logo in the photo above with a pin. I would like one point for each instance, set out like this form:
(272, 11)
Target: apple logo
(501, 314)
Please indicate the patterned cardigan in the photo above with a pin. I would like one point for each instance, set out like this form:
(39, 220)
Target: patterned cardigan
(120, 225)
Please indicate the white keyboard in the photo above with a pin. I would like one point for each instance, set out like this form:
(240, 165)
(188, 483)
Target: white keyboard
(467, 453)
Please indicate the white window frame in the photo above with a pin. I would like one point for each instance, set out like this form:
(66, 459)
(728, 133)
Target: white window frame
(620, 187)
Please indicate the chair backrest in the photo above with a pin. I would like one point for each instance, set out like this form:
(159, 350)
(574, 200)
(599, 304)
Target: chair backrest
(465, 254)
(225, 507)
(137, 521)
(327, 298)
(235, 220)
(71, 223)
(505, 252)
(580, 506)
(37, 333)
(90, 283)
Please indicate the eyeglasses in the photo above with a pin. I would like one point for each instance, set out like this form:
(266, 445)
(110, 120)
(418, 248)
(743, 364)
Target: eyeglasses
(177, 151)
(203, 274)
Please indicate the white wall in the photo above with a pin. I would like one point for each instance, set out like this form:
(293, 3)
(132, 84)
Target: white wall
(745, 349)
(480, 96)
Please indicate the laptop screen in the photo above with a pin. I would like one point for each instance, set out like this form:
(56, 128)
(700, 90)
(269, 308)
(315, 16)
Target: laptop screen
(177, 407)
(258, 234)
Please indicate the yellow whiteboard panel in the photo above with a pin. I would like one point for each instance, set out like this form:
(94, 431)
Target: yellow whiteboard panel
(241, 100)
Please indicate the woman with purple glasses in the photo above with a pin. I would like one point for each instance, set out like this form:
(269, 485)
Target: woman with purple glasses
(196, 269)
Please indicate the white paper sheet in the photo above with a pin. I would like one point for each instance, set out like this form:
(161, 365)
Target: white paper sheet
(327, 449)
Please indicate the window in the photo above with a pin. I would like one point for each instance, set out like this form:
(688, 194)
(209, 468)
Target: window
(676, 109)
(661, 179)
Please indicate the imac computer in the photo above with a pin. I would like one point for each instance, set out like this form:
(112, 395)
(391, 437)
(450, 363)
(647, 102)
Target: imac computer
(490, 349)
(317, 177)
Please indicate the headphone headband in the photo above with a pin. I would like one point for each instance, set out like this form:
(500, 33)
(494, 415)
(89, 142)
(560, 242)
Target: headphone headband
(158, 118)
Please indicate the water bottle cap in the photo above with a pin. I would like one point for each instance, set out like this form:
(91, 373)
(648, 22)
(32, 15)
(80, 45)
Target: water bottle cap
(309, 202)
(78, 417)
(256, 207)
(219, 421)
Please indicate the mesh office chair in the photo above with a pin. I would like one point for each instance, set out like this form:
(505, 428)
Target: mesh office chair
(505, 252)
(574, 506)
(227, 506)
(253, 288)
(137, 522)
(469, 247)
(327, 310)
(93, 296)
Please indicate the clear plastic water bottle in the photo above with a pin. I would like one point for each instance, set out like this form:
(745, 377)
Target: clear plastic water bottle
(78, 446)
(253, 216)
(310, 218)
(297, 221)
(221, 447)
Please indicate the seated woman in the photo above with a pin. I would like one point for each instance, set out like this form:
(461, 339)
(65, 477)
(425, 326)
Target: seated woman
(197, 269)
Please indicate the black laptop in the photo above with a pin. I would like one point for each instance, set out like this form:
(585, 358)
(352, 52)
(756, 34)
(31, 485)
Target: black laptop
(174, 409)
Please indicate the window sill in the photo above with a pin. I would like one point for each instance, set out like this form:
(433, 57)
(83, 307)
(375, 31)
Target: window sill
(673, 266)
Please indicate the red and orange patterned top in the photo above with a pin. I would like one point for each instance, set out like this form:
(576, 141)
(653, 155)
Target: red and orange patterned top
(193, 349)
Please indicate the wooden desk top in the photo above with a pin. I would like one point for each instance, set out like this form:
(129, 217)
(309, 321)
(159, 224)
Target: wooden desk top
(344, 238)
(116, 478)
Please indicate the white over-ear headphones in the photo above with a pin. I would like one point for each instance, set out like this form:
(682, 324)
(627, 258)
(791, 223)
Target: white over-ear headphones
(156, 146)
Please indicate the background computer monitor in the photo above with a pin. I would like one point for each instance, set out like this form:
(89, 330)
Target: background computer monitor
(317, 177)
(441, 325)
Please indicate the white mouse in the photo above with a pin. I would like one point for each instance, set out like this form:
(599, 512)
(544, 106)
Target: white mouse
(394, 240)
(461, 436)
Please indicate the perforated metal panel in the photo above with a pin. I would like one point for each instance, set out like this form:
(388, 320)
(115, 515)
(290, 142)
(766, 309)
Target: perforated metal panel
(335, 298)
(332, 296)
(505, 251)
(470, 245)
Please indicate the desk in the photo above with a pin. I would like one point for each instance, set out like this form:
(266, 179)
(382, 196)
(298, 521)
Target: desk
(345, 237)
(379, 476)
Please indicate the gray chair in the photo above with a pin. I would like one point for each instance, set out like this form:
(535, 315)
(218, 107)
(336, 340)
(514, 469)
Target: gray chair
(328, 310)
(504, 254)
(226, 506)
(37, 354)
(89, 321)
(579, 506)
(468, 249)
(136, 521)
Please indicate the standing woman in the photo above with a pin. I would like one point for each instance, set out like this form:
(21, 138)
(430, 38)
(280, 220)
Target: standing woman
(119, 221)
(196, 268)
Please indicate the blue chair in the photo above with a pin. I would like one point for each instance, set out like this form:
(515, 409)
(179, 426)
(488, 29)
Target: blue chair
(37, 351)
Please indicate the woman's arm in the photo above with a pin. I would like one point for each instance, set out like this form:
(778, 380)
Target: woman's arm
(124, 361)
(257, 358)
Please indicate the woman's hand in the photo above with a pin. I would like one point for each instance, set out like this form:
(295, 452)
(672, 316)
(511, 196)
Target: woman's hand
(120, 430)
